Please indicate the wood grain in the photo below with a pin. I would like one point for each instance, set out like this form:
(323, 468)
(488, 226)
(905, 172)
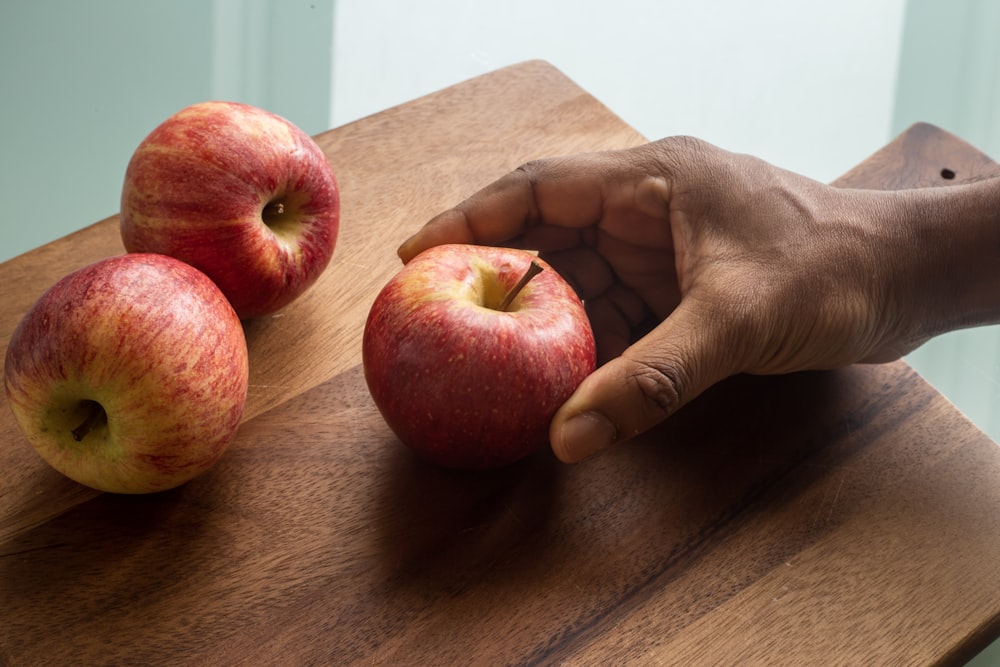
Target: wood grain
(848, 517)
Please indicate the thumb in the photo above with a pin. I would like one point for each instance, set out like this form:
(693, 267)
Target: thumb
(650, 381)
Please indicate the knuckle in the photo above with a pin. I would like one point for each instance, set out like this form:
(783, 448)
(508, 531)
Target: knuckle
(531, 170)
(660, 386)
(685, 143)
(680, 157)
(682, 145)
(531, 174)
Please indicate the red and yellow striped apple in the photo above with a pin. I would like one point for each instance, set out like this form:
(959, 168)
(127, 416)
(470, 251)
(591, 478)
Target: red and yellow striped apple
(130, 374)
(239, 193)
(467, 355)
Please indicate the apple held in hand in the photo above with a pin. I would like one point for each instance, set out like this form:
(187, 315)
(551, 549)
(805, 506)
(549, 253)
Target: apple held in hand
(239, 193)
(129, 375)
(464, 379)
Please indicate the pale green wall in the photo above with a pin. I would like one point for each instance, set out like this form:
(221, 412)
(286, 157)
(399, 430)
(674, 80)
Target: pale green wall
(82, 82)
(949, 75)
(949, 70)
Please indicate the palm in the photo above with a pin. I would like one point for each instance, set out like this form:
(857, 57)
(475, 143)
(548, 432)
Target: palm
(627, 284)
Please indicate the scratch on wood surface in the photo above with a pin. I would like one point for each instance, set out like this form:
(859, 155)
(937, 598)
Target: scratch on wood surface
(510, 510)
(825, 508)
(836, 497)
(22, 552)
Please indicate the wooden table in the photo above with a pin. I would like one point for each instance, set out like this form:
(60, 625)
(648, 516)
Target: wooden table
(848, 517)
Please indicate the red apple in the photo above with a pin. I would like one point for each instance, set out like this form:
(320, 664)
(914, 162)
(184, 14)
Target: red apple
(239, 193)
(463, 380)
(130, 374)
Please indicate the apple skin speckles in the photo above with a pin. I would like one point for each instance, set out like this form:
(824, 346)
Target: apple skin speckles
(147, 353)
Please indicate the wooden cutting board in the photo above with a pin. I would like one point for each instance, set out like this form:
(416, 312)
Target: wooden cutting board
(848, 517)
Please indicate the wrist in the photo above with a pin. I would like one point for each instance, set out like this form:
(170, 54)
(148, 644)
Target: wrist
(944, 256)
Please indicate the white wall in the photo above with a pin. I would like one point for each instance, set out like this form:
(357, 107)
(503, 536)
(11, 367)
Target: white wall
(808, 86)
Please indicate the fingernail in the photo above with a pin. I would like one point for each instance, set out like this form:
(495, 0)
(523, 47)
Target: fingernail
(585, 434)
(403, 250)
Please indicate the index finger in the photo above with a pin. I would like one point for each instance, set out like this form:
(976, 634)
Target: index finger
(565, 192)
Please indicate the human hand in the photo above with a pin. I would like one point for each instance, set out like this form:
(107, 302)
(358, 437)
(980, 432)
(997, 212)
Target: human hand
(696, 264)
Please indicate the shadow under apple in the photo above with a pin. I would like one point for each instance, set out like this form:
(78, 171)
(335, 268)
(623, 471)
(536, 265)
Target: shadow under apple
(582, 545)
(450, 528)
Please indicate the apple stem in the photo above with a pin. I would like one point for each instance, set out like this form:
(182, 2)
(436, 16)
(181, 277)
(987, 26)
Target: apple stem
(533, 270)
(95, 414)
